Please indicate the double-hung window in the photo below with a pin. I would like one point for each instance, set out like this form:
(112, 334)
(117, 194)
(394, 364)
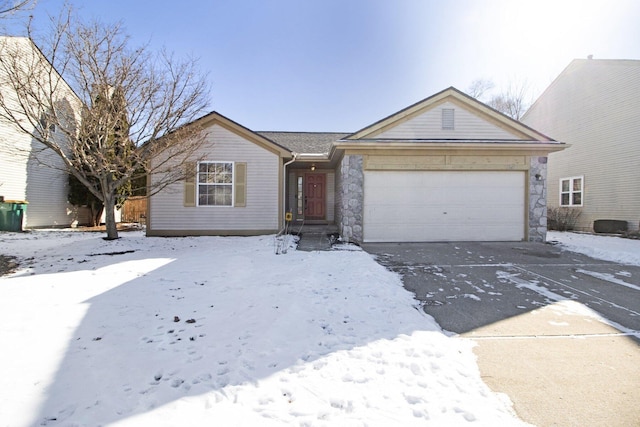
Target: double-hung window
(571, 191)
(215, 184)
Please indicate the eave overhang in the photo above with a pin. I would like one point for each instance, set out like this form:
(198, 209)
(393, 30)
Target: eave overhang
(448, 145)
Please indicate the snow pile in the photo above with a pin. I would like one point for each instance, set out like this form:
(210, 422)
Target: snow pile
(213, 330)
(608, 248)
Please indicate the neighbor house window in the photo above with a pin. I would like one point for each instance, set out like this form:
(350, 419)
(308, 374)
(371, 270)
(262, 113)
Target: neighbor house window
(448, 119)
(571, 191)
(47, 123)
(215, 184)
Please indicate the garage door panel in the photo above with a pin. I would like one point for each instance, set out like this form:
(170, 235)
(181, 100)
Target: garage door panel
(443, 206)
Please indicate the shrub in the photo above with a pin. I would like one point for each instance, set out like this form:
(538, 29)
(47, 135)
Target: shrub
(562, 219)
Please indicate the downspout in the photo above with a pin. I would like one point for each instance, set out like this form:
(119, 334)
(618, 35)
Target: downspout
(284, 187)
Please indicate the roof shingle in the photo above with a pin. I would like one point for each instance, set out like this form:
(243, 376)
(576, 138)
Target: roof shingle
(305, 142)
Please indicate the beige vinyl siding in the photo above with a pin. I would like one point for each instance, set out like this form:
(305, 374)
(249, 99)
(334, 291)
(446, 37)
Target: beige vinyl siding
(428, 125)
(167, 208)
(594, 107)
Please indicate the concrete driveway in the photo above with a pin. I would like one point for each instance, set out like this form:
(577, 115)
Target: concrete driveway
(556, 331)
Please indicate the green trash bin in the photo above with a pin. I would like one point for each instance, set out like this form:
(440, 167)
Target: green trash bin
(12, 215)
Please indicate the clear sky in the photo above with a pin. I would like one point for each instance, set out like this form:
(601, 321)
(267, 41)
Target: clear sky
(340, 65)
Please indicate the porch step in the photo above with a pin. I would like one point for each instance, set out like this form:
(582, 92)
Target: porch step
(310, 242)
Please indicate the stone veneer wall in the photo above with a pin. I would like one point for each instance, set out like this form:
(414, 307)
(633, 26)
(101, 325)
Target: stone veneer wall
(350, 198)
(538, 199)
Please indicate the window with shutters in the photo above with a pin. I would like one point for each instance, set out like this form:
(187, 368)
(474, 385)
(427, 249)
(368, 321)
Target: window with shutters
(448, 122)
(571, 191)
(215, 184)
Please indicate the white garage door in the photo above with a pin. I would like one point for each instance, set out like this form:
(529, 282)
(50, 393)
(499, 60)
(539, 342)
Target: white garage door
(443, 206)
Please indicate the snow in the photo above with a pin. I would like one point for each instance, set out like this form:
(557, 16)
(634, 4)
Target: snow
(220, 330)
(608, 248)
(608, 277)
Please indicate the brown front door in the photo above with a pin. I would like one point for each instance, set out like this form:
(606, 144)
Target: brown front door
(314, 196)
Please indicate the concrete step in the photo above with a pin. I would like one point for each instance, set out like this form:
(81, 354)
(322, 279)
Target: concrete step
(310, 242)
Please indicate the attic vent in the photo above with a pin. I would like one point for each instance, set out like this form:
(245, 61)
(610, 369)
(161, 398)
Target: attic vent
(447, 119)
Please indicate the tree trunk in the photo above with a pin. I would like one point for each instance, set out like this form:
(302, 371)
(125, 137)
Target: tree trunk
(109, 216)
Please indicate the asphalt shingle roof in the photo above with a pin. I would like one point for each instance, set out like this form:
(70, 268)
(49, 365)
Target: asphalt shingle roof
(305, 142)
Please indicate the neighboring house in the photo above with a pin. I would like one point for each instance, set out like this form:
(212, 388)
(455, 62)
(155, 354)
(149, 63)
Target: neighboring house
(447, 168)
(27, 171)
(594, 106)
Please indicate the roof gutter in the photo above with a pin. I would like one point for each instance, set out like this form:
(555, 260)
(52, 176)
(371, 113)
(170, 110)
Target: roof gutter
(310, 157)
(441, 145)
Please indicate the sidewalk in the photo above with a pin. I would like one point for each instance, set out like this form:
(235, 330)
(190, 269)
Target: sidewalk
(584, 372)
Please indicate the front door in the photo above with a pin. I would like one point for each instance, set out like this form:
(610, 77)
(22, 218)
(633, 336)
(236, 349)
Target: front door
(314, 196)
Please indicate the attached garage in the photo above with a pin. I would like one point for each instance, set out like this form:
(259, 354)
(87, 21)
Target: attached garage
(431, 206)
(447, 168)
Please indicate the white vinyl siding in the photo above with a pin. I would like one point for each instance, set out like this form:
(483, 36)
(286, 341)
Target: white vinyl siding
(262, 190)
(444, 206)
(430, 125)
(25, 178)
(593, 106)
(27, 172)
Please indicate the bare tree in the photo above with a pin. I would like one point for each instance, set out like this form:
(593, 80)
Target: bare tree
(13, 13)
(9, 7)
(512, 101)
(121, 107)
(479, 87)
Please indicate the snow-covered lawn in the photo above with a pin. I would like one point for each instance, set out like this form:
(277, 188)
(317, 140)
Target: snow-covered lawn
(608, 248)
(221, 331)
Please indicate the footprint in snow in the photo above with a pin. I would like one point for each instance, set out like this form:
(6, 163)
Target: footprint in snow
(175, 383)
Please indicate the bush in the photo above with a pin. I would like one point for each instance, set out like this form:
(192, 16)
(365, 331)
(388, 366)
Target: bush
(562, 219)
(612, 226)
(632, 234)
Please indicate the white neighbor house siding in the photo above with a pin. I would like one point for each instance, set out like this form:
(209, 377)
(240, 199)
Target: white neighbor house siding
(22, 177)
(594, 105)
(26, 172)
(467, 125)
(167, 210)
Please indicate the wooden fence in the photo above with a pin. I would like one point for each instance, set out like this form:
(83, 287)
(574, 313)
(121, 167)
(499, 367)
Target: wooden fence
(135, 210)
